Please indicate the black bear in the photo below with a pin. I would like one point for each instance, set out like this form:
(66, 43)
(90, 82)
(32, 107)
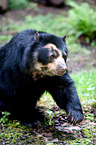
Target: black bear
(31, 63)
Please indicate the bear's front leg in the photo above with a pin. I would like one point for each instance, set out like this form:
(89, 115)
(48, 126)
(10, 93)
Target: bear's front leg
(73, 106)
(66, 97)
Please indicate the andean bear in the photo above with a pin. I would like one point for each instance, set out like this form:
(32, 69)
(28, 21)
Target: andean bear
(30, 64)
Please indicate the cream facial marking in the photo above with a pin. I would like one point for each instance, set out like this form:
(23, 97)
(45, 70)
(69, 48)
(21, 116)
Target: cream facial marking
(52, 46)
(56, 64)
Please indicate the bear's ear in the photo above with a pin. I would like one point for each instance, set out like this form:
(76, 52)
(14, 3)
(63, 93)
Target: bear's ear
(36, 36)
(64, 38)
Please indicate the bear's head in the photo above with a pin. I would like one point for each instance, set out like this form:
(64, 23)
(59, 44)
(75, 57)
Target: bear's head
(49, 56)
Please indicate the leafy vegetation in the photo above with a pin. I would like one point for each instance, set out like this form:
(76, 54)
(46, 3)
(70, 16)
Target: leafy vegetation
(17, 4)
(82, 20)
(56, 130)
(4, 119)
(86, 86)
(76, 24)
(12, 132)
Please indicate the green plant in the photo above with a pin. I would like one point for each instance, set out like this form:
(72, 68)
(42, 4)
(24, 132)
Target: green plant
(89, 116)
(86, 86)
(17, 4)
(4, 39)
(82, 20)
(4, 119)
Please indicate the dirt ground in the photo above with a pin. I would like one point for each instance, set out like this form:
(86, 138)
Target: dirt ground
(81, 62)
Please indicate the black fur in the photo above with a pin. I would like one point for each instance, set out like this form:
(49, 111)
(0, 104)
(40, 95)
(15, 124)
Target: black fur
(43, 56)
(19, 92)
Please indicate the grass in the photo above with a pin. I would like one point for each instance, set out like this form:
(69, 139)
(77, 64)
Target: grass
(40, 23)
(12, 132)
(86, 86)
(85, 83)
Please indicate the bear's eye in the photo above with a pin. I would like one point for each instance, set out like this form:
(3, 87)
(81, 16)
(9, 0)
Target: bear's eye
(65, 56)
(51, 57)
(55, 53)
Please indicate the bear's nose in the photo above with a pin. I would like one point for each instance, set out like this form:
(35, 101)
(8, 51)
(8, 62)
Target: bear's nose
(63, 67)
(64, 70)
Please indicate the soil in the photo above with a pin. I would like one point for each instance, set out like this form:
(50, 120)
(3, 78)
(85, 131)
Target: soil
(61, 130)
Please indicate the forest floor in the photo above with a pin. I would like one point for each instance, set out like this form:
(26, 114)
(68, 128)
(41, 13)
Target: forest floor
(57, 130)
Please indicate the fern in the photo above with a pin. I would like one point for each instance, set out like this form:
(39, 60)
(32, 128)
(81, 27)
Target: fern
(82, 19)
(17, 4)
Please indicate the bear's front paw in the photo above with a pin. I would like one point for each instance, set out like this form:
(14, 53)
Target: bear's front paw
(75, 117)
